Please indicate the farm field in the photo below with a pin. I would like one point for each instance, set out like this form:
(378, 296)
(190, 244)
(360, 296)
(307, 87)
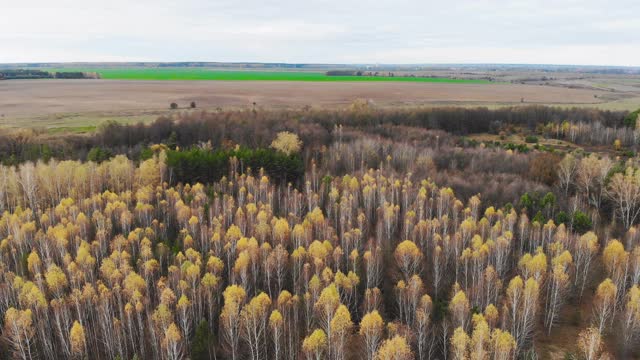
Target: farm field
(81, 103)
(186, 73)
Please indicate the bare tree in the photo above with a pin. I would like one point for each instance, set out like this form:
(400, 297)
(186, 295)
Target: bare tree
(28, 180)
(592, 172)
(567, 169)
(624, 191)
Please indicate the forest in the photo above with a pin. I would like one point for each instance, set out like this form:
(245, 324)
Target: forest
(355, 234)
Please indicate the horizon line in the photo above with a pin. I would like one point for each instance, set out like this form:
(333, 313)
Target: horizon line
(320, 64)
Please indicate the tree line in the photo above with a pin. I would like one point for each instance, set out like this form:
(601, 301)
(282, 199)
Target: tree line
(315, 127)
(25, 74)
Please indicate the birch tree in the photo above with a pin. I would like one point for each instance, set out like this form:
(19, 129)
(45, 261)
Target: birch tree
(604, 304)
(522, 307)
(19, 332)
(315, 345)
(371, 327)
(631, 317)
(624, 192)
(558, 286)
(396, 348)
(253, 320)
(234, 297)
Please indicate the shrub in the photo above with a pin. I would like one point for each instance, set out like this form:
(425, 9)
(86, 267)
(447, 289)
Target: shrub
(562, 218)
(146, 154)
(519, 147)
(543, 168)
(173, 106)
(549, 200)
(539, 218)
(98, 154)
(172, 141)
(527, 201)
(507, 207)
(531, 139)
(581, 222)
(631, 119)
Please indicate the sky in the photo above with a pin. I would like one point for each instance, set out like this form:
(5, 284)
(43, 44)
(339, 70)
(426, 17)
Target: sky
(584, 32)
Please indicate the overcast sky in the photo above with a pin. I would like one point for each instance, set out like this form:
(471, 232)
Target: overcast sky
(597, 32)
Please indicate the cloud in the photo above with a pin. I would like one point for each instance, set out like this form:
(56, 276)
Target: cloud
(323, 31)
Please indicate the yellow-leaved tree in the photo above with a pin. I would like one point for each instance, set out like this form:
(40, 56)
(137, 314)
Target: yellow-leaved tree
(326, 307)
(315, 345)
(480, 338)
(590, 344)
(558, 286)
(234, 297)
(586, 248)
(631, 316)
(371, 327)
(409, 258)
(19, 331)
(287, 143)
(341, 326)
(616, 263)
(253, 319)
(421, 326)
(276, 322)
(77, 340)
(604, 304)
(396, 348)
(522, 307)
(503, 345)
(460, 344)
(172, 342)
(459, 309)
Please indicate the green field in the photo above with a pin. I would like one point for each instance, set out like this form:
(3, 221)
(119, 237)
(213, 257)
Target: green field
(210, 74)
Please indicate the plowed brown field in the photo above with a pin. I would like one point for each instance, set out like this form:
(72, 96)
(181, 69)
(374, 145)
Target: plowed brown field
(39, 100)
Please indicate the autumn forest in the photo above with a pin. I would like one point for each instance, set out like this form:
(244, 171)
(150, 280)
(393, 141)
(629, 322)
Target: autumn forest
(364, 233)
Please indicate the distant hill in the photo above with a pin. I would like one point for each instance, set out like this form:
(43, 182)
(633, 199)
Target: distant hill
(331, 67)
